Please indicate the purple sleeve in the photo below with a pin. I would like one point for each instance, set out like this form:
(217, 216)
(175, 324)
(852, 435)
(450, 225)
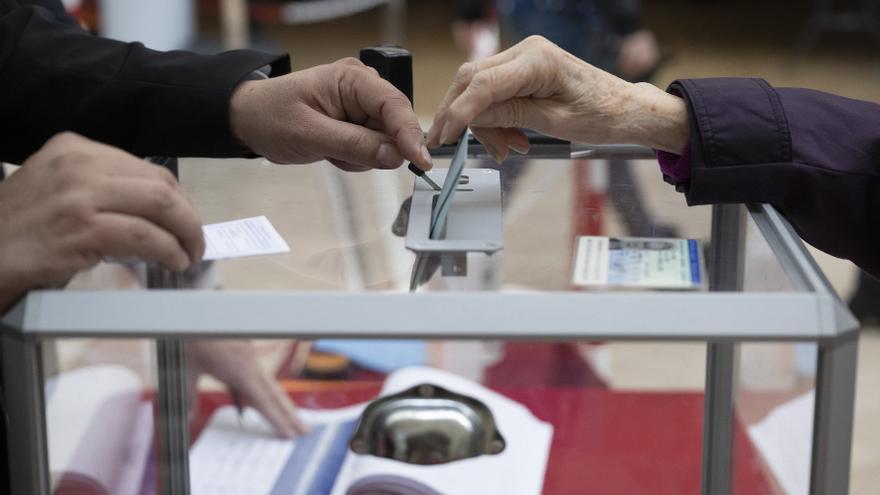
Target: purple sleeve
(812, 155)
(676, 168)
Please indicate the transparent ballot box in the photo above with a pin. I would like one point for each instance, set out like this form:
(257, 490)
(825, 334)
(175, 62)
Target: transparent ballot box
(128, 379)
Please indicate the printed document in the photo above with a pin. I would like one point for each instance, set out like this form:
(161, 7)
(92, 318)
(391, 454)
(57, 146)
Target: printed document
(246, 237)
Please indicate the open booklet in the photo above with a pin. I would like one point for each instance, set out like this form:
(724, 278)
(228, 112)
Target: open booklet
(100, 431)
(244, 457)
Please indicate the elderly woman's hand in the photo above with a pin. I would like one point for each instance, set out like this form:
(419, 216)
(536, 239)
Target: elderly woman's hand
(537, 85)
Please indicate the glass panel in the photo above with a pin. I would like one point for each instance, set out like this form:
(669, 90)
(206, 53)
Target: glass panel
(774, 407)
(620, 406)
(627, 426)
(100, 397)
(345, 230)
(762, 270)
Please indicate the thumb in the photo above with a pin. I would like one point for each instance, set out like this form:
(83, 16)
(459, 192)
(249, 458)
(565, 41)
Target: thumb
(515, 112)
(355, 144)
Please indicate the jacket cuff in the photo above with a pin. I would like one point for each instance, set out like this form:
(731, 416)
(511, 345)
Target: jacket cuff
(193, 120)
(736, 124)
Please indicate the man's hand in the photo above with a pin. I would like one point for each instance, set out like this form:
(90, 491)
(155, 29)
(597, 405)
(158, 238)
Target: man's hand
(235, 364)
(343, 112)
(75, 202)
(537, 85)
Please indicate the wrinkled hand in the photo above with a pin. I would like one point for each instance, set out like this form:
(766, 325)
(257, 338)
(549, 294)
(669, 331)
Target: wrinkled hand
(75, 202)
(235, 364)
(537, 85)
(343, 112)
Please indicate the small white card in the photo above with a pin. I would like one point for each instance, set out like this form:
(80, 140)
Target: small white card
(246, 237)
(638, 262)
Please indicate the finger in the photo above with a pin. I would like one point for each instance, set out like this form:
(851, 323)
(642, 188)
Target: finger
(517, 140)
(104, 158)
(288, 408)
(260, 398)
(119, 163)
(499, 140)
(513, 113)
(348, 167)
(494, 140)
(462, 79)
(494, 85)
(267, 397)
(380, 100)
(161, 204)
(119, 235)
(355, 144)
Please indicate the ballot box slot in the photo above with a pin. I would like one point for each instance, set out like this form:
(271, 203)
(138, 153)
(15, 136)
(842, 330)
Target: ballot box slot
(473, 224)
(474, 219)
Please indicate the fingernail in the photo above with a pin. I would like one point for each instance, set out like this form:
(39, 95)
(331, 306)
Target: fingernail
(388, 157)
(426, 157)
(519, 148)
(494, 153)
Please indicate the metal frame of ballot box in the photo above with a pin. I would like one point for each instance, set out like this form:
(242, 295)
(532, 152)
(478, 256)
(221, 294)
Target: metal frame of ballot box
(722, 317)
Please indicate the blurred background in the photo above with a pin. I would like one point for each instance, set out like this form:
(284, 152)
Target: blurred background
(827, 45)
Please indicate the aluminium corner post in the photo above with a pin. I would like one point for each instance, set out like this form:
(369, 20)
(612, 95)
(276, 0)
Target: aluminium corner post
(173, 424)
(837, 360)
(725, 274)
(173, 419)
(833, 415)
(24, 399)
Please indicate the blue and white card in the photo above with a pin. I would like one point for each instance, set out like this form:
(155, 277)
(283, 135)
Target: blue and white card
(638, 262)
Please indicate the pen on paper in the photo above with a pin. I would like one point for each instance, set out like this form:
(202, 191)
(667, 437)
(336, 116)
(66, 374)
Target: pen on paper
(236, 400)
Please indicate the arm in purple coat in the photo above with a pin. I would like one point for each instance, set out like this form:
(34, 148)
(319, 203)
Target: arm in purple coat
(812, 155)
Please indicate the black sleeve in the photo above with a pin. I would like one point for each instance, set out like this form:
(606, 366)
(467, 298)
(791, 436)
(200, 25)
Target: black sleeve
(623, 15)
(812, 155)
(56, 77)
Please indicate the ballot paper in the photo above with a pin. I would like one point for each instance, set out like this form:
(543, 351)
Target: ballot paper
(246, 237)
(450, 185)
(783, 439)
(246, 458)
(638, 262)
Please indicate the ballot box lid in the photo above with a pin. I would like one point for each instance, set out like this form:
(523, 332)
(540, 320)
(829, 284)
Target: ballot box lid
(349, 272)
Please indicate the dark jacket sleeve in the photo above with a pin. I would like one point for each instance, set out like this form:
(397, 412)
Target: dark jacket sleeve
(56, 77)
(812, 155)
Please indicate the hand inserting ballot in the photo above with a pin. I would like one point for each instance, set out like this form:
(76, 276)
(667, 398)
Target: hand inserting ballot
(343, 112)
(75, 202)
(537, 85)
